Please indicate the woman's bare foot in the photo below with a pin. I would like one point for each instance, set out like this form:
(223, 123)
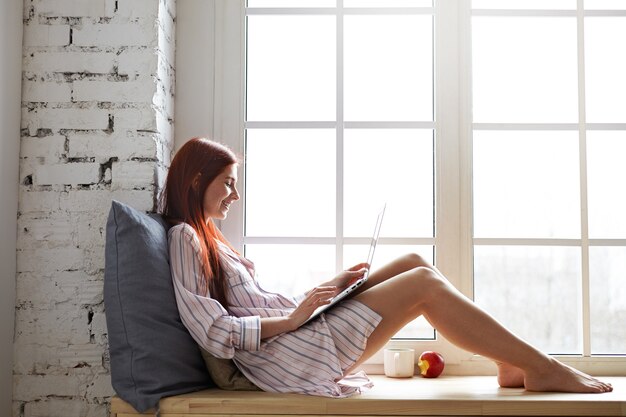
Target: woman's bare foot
(510, 376)
(558, 377)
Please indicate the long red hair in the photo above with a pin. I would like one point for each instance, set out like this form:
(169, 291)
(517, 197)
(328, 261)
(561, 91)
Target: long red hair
(196, 164)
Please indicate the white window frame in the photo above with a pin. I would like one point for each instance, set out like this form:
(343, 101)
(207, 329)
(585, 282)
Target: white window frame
(453, 126)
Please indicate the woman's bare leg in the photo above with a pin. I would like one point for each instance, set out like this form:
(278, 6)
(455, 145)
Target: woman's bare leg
(509, 376)
(423, 291)
(392, 269)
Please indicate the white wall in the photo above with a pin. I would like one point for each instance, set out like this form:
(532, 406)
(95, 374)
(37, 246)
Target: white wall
(195, 80)
(10, 96)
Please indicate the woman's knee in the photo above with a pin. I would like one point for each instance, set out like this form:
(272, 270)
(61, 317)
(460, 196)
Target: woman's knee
(426, 280)
(414, 260)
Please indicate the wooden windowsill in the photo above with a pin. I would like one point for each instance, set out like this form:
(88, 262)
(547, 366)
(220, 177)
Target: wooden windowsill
(444, 396)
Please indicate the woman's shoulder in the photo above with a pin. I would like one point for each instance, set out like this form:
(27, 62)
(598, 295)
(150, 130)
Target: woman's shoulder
(183, 232)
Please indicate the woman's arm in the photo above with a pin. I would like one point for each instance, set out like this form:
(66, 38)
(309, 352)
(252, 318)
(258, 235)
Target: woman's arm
(208, 322)
(318, 296)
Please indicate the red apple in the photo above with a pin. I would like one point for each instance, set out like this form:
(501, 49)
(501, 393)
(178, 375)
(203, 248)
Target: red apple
(431, 364)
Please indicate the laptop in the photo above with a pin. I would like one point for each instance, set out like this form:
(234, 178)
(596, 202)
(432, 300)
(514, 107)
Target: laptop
(351, 288)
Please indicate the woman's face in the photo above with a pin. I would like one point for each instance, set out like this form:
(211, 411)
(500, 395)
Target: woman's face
(220, 194)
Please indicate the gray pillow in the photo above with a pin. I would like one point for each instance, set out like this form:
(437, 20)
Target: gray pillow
(152, 353)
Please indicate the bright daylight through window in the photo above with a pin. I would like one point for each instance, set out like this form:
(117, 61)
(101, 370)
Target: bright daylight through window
(346, 108)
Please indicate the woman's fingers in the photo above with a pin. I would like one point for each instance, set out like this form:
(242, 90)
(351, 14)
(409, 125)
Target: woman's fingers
(321, 295)
(362, 265)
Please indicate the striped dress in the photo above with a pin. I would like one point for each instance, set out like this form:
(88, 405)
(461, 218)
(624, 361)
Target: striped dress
(310, 360)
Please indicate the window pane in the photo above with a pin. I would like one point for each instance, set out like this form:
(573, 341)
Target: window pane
(291, 68)
(392, 165)
(353, 254)
(524, 4)
(292, 269)
(387, 3)
(292, 3)
(608, 299)
(524, 69)
(534, 291)
(605, 66)
(526, 184)
(605, 178)
(605, 4)
(388, 68)
(290, 182)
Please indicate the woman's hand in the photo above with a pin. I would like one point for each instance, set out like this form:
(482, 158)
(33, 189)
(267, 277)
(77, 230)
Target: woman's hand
(315, 298)
(348, 277)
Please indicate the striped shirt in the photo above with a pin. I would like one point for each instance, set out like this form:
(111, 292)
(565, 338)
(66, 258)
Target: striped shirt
(310, 360)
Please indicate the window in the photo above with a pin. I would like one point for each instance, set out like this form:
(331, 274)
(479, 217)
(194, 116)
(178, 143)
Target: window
(498, 126)
(338, 120)
(548, 114)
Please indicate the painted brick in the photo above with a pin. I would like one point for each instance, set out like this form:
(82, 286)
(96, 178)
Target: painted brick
(108, 98)
(65, 119)
(31, 387)
(103, 146)
(46, 35)
(39, 201)
(138, 8)
(91, 228)
(99, 324)
(166, 43)
(132, 174)
(46, 92)
(121, 91)
(72, 356)
(31, 357)
(55, 408)
(100, 387)
(45, 231)
(72, 62)
(94, 259)
(61, 286)
(40, 359)
(93, 200)
(115, 34)
(54, 327)
(54, 259)
(67, 174)
(140, 118)
(72, 8)
(143, 62)
(164, 124)
(51, 148)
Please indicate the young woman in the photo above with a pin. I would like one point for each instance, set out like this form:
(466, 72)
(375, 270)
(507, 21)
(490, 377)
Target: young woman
(231, 316)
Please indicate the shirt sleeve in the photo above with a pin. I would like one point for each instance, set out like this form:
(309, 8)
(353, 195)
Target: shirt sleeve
(206, 319)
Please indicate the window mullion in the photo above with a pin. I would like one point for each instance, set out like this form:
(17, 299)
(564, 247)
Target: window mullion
(339, 144)
(452, 216)
(584, 218)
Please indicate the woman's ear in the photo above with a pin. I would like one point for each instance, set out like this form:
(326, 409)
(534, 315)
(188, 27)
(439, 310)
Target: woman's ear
(196, 181)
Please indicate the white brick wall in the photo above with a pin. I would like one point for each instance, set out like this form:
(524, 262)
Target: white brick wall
(97, 125)
(46, 35)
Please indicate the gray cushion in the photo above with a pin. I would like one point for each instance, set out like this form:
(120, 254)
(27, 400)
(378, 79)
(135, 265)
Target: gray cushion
(152, 353)
(226, 375)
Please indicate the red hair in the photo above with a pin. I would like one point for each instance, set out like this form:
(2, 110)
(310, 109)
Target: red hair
(196, 164)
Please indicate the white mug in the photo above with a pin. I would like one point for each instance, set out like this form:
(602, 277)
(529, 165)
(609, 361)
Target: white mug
(399, 363)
